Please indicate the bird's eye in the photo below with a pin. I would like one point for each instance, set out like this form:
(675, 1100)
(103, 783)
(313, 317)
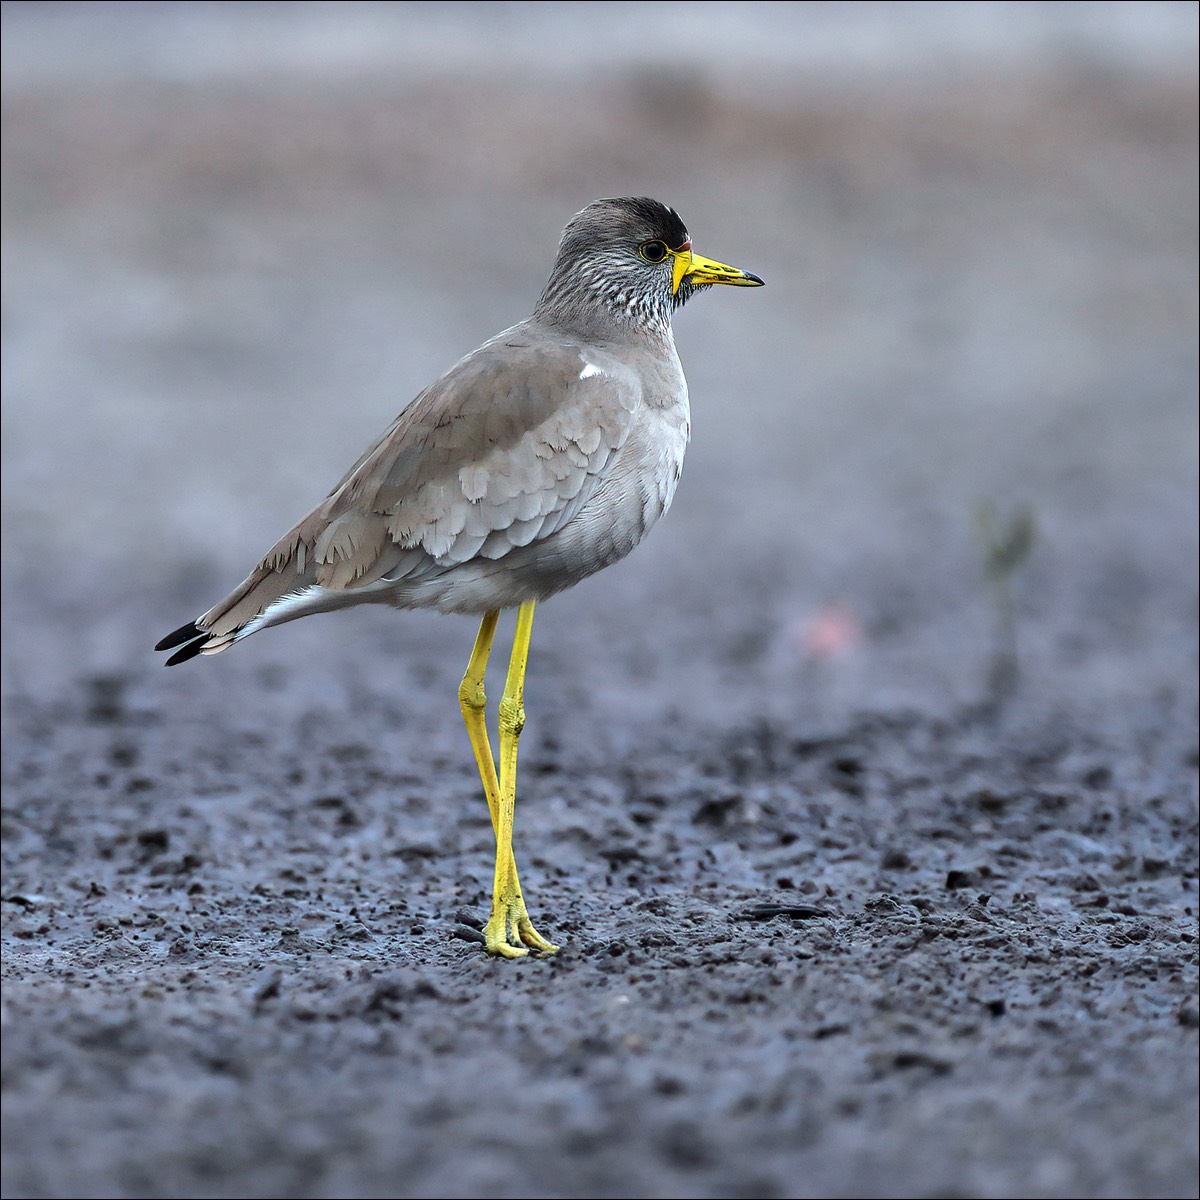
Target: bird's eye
(653, 252)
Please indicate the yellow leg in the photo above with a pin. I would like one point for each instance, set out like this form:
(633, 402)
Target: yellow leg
(509, 929)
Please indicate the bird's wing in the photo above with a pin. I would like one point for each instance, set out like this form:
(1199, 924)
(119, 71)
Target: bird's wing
(500, 451)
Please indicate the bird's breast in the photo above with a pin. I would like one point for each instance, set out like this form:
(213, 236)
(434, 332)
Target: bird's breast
(640, 480)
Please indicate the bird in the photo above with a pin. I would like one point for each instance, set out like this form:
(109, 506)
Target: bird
(535, 461)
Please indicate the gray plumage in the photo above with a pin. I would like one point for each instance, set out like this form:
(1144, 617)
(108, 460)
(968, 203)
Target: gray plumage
(538, 459)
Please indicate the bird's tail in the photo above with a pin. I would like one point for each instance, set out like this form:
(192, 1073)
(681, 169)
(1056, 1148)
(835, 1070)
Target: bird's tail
(187, 641)
(281, 588)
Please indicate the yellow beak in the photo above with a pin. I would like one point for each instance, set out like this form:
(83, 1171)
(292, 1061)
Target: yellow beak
(696, 269)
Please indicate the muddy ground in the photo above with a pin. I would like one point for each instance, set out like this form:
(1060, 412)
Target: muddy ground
(844, 910)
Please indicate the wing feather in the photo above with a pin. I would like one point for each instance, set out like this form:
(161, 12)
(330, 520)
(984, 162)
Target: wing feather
(504, 449)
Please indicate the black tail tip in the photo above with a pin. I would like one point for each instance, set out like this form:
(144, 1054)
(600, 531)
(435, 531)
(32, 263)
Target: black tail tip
(185, 633)
(191, 650)
(187, 641)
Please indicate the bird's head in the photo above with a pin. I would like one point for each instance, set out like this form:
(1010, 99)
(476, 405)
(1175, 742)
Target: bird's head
(629, 261)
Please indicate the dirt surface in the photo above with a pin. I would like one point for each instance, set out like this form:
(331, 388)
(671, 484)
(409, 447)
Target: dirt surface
(848, 906)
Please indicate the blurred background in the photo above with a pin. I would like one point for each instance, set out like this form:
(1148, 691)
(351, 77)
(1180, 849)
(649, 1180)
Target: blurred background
(946, 457)
(239, 237)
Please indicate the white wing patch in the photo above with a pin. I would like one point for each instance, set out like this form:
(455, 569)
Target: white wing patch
(589, 370)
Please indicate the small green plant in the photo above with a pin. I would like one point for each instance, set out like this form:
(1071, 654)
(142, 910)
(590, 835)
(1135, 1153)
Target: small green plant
(1006, 546)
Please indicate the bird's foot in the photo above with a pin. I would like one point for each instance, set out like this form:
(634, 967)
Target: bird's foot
(531, 937)
(510, 933)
